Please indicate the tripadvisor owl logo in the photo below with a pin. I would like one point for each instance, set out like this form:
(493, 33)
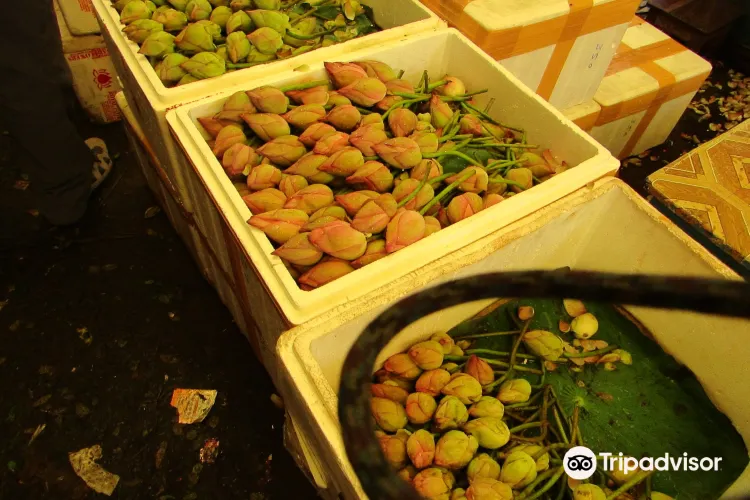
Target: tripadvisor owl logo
(579, 463)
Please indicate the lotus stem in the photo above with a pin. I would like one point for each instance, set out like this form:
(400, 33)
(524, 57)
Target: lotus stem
(304, 86)
(439, 154)
(587, 354)
(311, 12)
(439, 179)
(364, 111)
(435, 85)
(560, 428)
(416, 191)
(547, 486)
(541, 477)
(400, 74)
(311, 36)
(243, 65)
(401, 104)
(523, 427)
(630, 484)
(487, 117)
(445, 192)
(503, 354)
(489, 105)
(494, 362)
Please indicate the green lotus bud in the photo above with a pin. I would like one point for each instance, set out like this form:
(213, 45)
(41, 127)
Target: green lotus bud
(265, 200)
(389, 415)
(455, 449)
(542, 462)
(234, 107)
(270, 19)
(434, 483)
(344, 162)
(484, 488)
(170, 70)
(305, 115)
(432, 381)
(323, 273)
(487, 406)
(585, 326)
(450, 414)
(205, 65)
(157, 44)
(315, 95)
(428, 141)
(522, 176)
(402, 122)
(307, 167)
(331, 143)
(140, 29)
(475, 184)
(237, 5)
(401, 365)
(220, 16)
(375, 251)
(421, 448)
(336, 99)
(374, 215)
(227, 137)
(470, 124)
(373, 175)
(379, 70)
(431, 225)
(269, 100)
(464, 206)
(365, 91)
(280, 225)
(310, 199)
(188, 78)
(440, 111)
(135, 10)
(239, 22)
(194, 39)
(514, 391)
(171, 19)
(305, 27)
(291, 184)
(344, 117)
(314, 133)
(491, 432)
(179, 4)
(389, 390)
(394, 447)
(458, 494)
(465, 387)
(344, 74)
(238, 47)
(404, 86)
(213, 29)
(198, 10)
(399, 152)
(120, 4)
(339, 240)
(283, 151)
(519, 470)
(544, 344)
(239, 158)
(482, 466)
(266, 40)
(454, 87)
(590, 491)
(420, 408)
(268, 4)
(367, 136)
(406, 187)
(407, 473)
(219, 3)
(263, 176)
(625, 357)
(405, 228)
(267, 126)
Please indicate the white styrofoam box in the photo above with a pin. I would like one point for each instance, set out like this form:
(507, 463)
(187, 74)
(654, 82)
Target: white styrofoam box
(559, 48)
(606, 228)
(584, 115)
(638, 110)
(79, 16)
(93, 75)
(439, 53)
(307, 460)
(150, 99)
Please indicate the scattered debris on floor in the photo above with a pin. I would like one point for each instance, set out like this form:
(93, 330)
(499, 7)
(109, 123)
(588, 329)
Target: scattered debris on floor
(210, 451)
(192, 405)
(94, 475)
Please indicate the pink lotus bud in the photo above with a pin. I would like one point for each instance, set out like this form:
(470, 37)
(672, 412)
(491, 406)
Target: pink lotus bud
(267, 126)
(402, 366)
(474, 184)
(432, 381)
(331, 143)
(440, 111)
(279, 225)
(389, 390)
(336, 99)
(431, 225)
(343, 74)
(325, 272)
(406, 187)
(308, 167)
(264, 200)
(213, 125)
(399, 152)
(427, 141)
(339, 240)
(375, 215)
(434, 211)
(353, 202)
(453, 88)
(299, 251)
(290, 184)
(283, 151)
(305, 115)
(238, 103)
(464, 206)
(314, 133)
(365, 137)
(470, 124)
(325, 215)
(311, 199)
(420, 408)
(344, 162)
(365, 92)
(424, 126)
(539, 168)
(480, 370)
(379, 70)
(522, 176)
(405, 228)
(402, 122)
(394, 447)
(402, 86)
(436, 170)
(373, 175)
(238, 158)
(495, 185)
(263, 177)
(496, 131)
(372, 119)
(315, 95)
(375, 251)
(420, 446)
(344, 117)
(227, 137)
(387, 102)
(491, 199)
(442, 217)
(269, 100)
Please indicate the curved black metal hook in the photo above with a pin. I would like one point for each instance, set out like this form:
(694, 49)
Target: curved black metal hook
(378, 479)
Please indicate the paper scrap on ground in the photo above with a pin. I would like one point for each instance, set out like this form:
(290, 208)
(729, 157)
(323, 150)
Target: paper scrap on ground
(85, 466)
(192, 404)
(210, 451)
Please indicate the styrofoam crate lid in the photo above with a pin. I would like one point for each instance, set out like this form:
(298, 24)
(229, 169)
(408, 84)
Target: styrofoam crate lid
(398, 18)
(443, 52)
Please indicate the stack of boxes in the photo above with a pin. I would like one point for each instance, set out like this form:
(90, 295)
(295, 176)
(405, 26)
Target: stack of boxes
(93, 76)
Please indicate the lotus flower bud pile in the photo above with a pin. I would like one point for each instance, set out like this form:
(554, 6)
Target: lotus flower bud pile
(400, 160)
(243, 33)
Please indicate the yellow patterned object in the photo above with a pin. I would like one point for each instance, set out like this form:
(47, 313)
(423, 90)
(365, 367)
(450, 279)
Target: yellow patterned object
(710, 189)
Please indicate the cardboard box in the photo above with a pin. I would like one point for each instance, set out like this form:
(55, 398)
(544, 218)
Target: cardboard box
(79, 16)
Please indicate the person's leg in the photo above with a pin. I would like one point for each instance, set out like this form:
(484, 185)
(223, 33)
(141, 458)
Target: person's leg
(33, 108)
